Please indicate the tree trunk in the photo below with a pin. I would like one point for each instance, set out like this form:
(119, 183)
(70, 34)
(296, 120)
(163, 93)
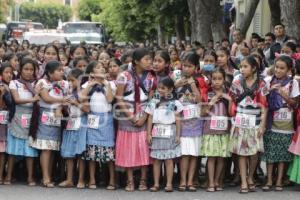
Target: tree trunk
(179, 27)
(200, 20)
(246, 21)
(159, 36)
(275, 11)
(290, 15)
(217, 26)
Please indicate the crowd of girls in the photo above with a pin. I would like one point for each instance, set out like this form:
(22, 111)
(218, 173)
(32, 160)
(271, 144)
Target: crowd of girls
(79, 115)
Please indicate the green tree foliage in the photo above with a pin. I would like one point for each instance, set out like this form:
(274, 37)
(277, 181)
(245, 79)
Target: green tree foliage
(137, 20)
(87, 8)
(48, 14)
(4, 8)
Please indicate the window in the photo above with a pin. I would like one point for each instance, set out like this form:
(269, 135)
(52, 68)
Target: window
(68, 2)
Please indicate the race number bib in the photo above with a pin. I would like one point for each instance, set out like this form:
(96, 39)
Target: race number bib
(162, 131)
(25, 120)
(219, 123)
(48, 118)
(3, 117)
(282, 115)
(245, 121)
(73, 124)
(191, 111)
(93, 121)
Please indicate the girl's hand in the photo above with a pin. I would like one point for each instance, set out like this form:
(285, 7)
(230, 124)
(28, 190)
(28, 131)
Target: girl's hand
(275, 87)
(105, 82)
(36, 98)
(283, 91)
(133, 119)
(38, 88)
(191, 80)
(140, 122)
(92, 83)
(2, 89)
(226, 96)
(261, 131)
(177, 140)
(66, 100)
(215, 99)
(181, 82)
(149, 139)
(73, 102)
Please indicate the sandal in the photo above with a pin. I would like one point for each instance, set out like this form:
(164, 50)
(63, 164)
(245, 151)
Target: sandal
(48, 184)
(143, 185)
(267, 188)
(218, 188)
(111, 187)
(154, 189)
(252, 188)
(278, 188)
(130, 186)
(80, 185)
(31, 183)
(210, 189)
(168, 189)
(66, 184)
(191, 188)
(7, 182)
(244, 190)
(92, 186)
(182, 188)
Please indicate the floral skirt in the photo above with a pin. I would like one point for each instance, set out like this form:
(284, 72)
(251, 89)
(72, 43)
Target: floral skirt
(245, 141)
(99, 154)
(44, 144)
(215, 146)
(164, 154)
(276, 147)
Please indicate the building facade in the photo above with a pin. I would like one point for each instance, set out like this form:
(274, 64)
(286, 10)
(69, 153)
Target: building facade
(261, 22)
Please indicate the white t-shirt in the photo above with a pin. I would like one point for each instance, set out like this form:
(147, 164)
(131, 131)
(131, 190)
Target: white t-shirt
(53, 92)
(98, 102)
(22, 90)
(160, 114)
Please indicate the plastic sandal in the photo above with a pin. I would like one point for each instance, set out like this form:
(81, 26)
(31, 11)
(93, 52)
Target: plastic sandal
(182, 188)
(210, 189)
(168, 189)
(278, 188)
(154, 189)
(143, 185)
(130, 186)
(267, 188)
(66, 184)
(111, 187)
(191, 188)
(244, 191)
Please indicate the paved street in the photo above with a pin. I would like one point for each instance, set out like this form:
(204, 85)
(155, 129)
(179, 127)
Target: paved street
(22, 192)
